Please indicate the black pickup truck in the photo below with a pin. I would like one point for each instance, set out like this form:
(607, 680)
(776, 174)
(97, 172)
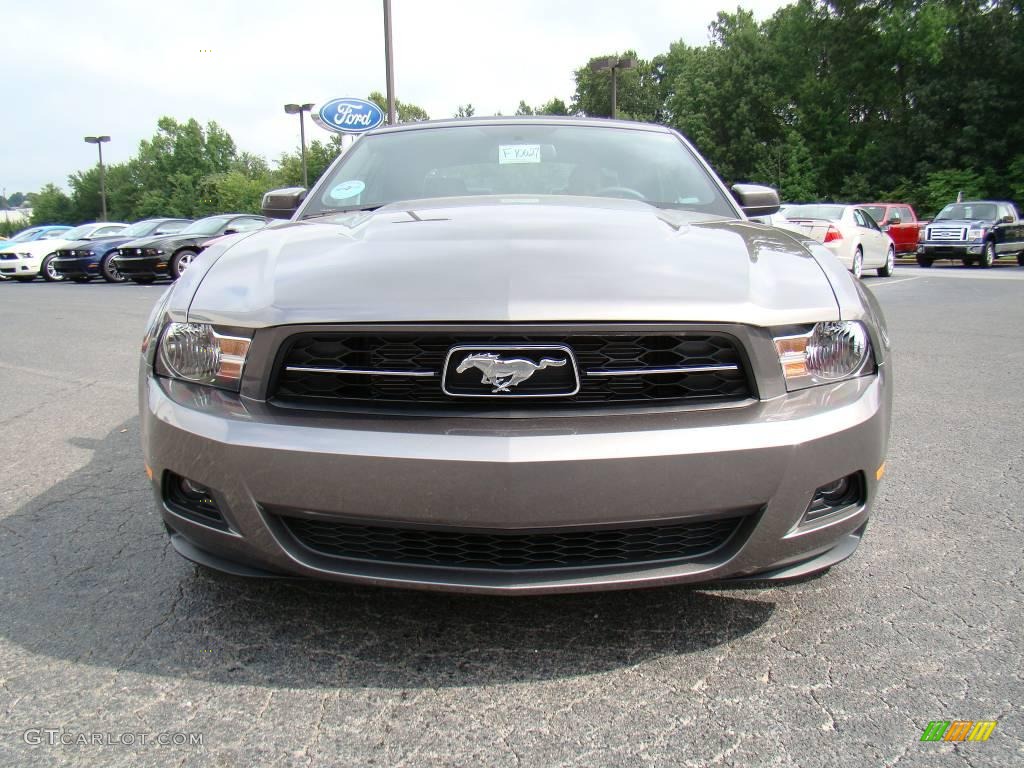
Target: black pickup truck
(977, 231)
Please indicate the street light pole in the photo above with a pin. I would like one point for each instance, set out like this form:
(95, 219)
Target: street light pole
(613, 64)
(300, 110)
(98, 141)
(389, 69)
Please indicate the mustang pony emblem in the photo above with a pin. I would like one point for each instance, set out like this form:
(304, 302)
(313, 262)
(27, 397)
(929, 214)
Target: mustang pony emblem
(502, 373)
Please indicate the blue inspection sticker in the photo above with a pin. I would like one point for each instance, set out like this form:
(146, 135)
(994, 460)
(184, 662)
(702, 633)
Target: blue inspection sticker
(347, 189)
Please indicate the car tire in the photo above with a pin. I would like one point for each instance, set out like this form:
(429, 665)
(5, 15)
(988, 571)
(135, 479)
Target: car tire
(109, 269)
(890, 264)
(49, 272)
(143, 280)
(988, 256)
(924, 263)
(1020, 259)
(858, 263)
(180, 261)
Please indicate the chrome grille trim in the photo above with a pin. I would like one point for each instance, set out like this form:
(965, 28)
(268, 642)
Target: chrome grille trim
(357, 372)
(660, 371)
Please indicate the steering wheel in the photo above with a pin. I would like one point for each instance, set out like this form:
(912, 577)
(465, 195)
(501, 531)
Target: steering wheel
(626, 192)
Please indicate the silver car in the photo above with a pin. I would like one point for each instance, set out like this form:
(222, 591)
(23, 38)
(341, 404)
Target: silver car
(517, 356)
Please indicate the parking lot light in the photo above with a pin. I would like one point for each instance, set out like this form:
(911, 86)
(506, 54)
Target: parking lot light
(300, 110)
(613, 64)
(98, 141)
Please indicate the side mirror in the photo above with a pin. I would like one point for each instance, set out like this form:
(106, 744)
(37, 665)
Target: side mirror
(282, 203)
(1006, 219)
(756, 200)
(894, 219)
(230, 231)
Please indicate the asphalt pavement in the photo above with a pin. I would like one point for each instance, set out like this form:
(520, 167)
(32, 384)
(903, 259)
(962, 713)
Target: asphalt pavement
(110, 643)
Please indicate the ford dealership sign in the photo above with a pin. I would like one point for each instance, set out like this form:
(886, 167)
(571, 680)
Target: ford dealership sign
(349, 115)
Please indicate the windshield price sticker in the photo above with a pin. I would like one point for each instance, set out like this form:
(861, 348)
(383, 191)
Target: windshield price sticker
(509, 154)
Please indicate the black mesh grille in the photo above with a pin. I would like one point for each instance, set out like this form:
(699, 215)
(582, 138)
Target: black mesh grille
(457, 549)
(427, 352)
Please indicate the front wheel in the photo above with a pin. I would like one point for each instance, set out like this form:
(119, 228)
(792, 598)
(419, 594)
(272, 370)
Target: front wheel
(50, 273)
(180, 262)
(988, 256)
(108, 267)
(889, 266)
(923, 262)
(858, 263)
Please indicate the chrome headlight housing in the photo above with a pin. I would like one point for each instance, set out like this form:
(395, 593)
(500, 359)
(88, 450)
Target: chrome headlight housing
(829, 352)
(976, 234)
(198, 353)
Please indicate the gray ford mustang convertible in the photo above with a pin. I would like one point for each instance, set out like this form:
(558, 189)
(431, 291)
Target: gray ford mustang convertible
(517, 356)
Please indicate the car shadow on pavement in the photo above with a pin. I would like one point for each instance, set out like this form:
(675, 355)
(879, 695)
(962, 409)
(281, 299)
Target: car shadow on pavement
(88, 576)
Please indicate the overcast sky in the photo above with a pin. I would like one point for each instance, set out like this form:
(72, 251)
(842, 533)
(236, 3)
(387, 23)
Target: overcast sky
(115, 66)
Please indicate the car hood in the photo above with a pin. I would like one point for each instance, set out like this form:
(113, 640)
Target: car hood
(516, 260)
(37, 248)
(175, 240)
(954, 223)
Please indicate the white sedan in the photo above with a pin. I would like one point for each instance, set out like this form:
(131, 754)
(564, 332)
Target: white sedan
(850, 233)
(24, 261)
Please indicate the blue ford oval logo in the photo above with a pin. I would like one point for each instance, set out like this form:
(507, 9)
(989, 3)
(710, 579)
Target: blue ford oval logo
(349, 115)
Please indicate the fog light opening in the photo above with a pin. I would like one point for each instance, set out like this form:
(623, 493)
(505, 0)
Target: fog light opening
(836, 496)
(186, 496)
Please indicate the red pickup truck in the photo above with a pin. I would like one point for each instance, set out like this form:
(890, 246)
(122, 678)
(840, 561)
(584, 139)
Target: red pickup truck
(899, 221)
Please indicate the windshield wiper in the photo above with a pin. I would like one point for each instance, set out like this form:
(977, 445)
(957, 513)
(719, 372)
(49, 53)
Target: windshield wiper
(340, 211)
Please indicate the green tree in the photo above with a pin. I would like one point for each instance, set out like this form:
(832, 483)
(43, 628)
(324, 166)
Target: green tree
(405, 112)
(636, 93)
(465, 110)
(553, 107)
(51, 206)
(524, 108)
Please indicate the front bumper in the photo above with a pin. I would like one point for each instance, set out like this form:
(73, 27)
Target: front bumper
(142, 266)
(19, 267)
(77, 266)
(495, 475)
(950, 250)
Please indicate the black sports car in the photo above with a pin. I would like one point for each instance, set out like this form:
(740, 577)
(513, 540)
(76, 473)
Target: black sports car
(146, 259)
(83, 260)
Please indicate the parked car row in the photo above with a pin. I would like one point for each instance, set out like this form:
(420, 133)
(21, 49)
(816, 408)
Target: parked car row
(869, 235)
(117, 252)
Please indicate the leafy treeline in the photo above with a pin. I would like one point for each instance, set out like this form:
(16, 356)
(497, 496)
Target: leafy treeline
(849, 99)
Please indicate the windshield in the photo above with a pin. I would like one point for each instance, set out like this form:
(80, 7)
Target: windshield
(78, 233)
(520, 159)
(139, 228)
(827, 212)
(208, 226)
(876, 212)
(967, 211)
(25, 234)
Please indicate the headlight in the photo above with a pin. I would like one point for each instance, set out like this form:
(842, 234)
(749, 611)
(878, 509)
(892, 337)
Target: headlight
(975, 234)
(828, 352)
(196, 352)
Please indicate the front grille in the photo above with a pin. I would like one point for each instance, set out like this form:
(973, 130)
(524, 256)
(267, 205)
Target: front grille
(949, 234)
(8, 256)
(404, 354)
(545, 549)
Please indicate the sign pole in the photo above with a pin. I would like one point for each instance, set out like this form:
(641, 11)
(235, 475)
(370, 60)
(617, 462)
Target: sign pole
(388, 64)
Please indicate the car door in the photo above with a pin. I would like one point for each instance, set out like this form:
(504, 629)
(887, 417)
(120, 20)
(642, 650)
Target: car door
(1006, 230)
(866, 231)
